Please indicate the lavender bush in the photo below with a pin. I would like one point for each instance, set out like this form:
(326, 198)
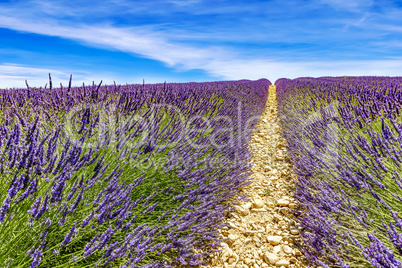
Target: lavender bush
(345, 139)
(121, 176)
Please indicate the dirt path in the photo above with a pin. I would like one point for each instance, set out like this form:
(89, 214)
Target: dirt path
(262, 232)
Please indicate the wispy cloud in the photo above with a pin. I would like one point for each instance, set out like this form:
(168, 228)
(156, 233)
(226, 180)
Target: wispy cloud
(11, 74)
(351, 5)
(184, 2)
(14, 75)
(132, 40)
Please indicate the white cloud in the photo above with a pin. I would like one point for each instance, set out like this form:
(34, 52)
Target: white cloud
(14, 76)
(130, 39)
(184, 2)
(352, 5)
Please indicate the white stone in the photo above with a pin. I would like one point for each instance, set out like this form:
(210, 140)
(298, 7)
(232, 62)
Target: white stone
(294, 231)
(226, 254)
(231, 238)
(258, 210)
(259, 176)
(247, 261)
(277, 249)
(224, 245)
(231, 260)
(214, 260)
(243, 211)
(274, 240)
(270, 258)
(273, 178)
(258, 203)
(292, 205)
(274, 171)
(282, 263)
(287, 249)
(277, 217)
(232, 225)
(283, 202)
(267, 168)
(248, 205)
(251, 232)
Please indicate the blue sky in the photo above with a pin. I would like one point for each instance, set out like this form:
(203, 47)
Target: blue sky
(196, 40)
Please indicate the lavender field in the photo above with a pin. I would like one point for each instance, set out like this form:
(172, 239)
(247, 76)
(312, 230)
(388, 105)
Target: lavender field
(143, 175)
(345, 140)
(121, 176)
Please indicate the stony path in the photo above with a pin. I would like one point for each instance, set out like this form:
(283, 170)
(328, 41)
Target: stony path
(263, 232)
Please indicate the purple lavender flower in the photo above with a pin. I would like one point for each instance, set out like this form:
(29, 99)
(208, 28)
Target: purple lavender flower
(4, 208)
(379, 255)
(69, 235)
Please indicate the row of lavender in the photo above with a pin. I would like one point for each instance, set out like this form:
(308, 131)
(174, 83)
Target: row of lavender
(121, 176)
(345, 139)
